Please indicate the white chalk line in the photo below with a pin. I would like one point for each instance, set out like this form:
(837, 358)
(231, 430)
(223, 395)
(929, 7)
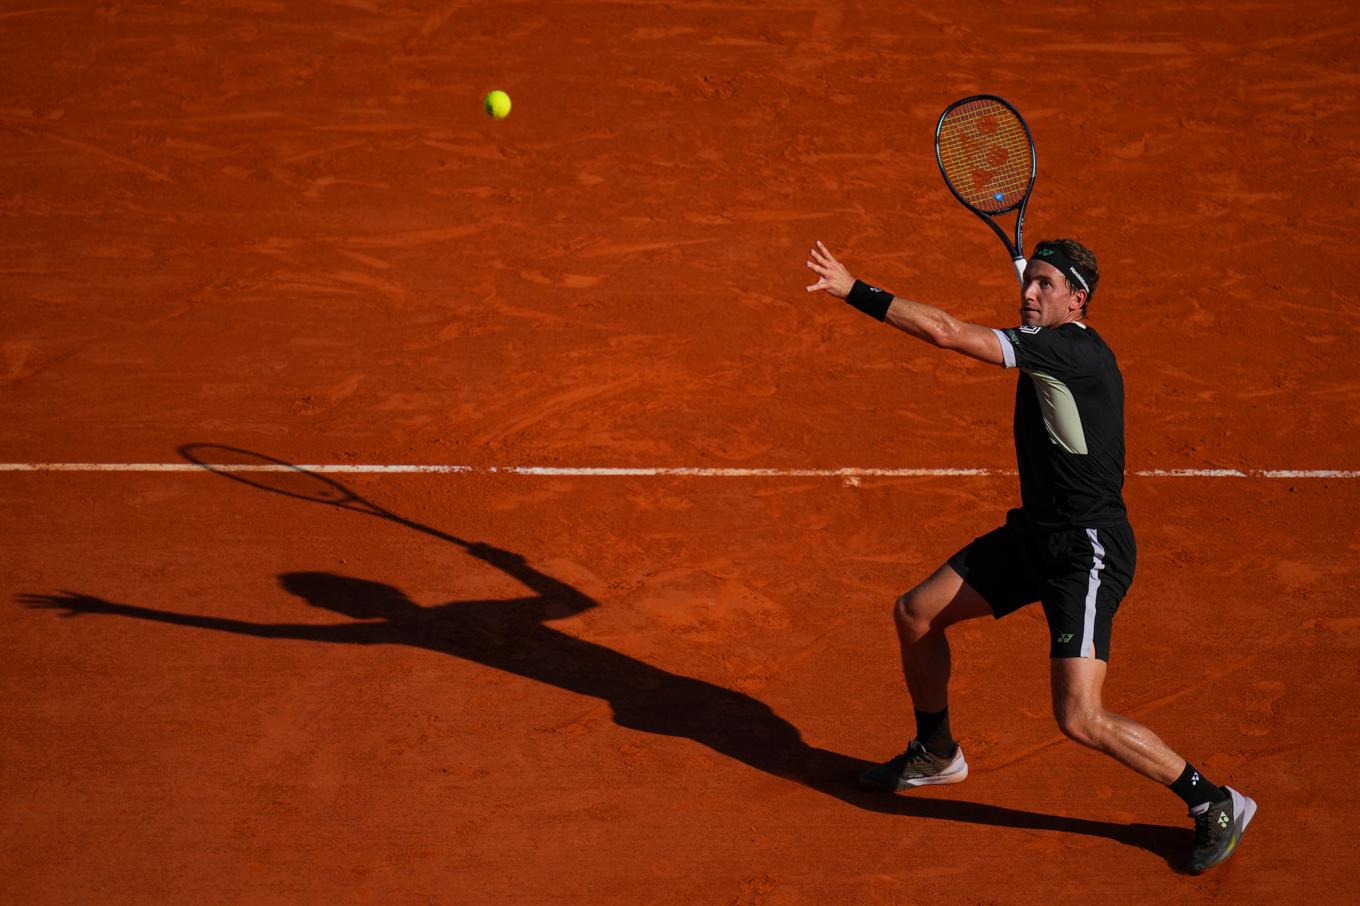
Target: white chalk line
(632, 472)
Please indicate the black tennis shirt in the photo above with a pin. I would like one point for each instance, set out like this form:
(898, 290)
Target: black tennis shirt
(1069, 426)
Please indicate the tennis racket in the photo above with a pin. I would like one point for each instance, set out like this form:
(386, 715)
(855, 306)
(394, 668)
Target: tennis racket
(986, 156)
(300, 482)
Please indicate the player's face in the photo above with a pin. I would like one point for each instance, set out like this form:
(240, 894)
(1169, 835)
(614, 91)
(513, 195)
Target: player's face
(1045, 300)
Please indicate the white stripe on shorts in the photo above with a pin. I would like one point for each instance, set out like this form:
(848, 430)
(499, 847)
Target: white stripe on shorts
(1088, 624)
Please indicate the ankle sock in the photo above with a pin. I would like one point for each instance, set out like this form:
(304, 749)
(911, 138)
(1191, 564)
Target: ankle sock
(932, 732)
(1196, 789)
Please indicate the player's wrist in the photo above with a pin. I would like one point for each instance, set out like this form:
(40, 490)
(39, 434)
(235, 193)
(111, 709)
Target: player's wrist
(871, 300)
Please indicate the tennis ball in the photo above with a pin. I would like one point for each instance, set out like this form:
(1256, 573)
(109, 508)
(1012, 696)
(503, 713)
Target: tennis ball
(496, 104)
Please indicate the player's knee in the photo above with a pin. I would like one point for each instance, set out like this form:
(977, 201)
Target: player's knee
(1079, 723)
(912, 622)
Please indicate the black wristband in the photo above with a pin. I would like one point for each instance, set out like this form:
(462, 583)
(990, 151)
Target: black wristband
(871, 300)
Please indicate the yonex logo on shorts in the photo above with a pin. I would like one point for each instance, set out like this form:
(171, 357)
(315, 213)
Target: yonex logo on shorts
(1064, 638)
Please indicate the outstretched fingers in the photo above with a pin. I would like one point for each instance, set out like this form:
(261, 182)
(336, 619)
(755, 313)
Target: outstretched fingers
(817, 263)
(833, 277)
(74, 604)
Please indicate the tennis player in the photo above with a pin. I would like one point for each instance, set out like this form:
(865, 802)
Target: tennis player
(1069, 544)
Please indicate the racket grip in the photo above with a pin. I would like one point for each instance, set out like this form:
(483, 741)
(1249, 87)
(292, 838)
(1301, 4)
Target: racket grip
(1020, 269)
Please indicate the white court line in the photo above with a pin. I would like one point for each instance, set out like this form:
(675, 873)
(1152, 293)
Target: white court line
(585, 472)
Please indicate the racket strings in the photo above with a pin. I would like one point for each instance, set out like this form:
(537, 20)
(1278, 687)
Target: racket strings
(986, 155)
(277, 476)
(269, 474)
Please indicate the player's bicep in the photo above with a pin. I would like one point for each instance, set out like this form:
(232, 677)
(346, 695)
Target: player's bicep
(981, 343)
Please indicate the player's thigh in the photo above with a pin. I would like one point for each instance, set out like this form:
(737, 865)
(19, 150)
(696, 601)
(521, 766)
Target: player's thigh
(1077, 684)
(941, 600)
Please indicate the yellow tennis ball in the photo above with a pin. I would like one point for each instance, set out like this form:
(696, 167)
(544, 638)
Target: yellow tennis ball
(497, 104)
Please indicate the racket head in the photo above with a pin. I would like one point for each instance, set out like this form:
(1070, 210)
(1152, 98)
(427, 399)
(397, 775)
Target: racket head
(266, 473)
(986, 154)
(278, 476)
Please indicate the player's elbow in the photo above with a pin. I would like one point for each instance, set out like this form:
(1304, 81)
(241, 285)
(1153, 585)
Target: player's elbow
(944, 333)
(971, 340)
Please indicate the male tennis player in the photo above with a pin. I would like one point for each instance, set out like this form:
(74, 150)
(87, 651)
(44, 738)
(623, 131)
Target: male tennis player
(1068, 546)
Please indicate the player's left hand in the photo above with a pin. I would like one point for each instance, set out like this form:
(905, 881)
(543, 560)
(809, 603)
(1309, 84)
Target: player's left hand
(835, 279)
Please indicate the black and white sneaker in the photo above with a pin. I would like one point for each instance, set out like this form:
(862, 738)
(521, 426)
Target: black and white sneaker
(915, 767)
(1218, 828)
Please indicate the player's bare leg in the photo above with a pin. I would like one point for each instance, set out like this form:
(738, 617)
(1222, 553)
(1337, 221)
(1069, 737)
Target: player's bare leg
(921, 616)
(1077, 684)
(1221, 814)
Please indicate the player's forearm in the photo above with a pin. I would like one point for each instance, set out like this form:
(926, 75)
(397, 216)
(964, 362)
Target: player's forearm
(925, 322)
(939, 328)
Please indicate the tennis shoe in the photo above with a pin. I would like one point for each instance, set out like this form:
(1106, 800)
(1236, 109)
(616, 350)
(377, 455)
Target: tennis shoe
(1218, 828)
(915, 767)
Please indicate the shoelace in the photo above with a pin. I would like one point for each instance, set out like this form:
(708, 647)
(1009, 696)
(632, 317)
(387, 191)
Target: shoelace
(916, 755)
(1206, 825)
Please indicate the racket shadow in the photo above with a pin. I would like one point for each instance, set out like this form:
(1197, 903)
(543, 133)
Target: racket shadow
(513, 636)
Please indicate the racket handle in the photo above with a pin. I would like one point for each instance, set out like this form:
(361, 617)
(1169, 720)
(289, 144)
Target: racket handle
(1020, 270)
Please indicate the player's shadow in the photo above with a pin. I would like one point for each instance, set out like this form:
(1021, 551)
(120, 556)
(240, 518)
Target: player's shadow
(512, 635)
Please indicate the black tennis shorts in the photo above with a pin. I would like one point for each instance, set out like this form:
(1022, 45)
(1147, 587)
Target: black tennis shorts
(1080, 576)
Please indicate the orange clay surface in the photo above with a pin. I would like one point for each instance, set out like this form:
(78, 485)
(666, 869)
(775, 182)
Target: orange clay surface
(288, 227)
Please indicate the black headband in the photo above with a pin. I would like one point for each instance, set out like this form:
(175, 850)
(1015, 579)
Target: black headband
(1051, 254)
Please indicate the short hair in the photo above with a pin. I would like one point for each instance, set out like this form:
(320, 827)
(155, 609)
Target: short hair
(1084, 258)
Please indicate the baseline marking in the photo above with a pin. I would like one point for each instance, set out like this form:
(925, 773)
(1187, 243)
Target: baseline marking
(641, 471)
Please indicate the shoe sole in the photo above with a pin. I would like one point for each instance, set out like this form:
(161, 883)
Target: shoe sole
(1248, 810)
(1248, 806)
(955, 775)
(952, 774)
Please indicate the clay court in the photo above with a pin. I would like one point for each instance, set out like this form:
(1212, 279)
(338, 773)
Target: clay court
(286, 231)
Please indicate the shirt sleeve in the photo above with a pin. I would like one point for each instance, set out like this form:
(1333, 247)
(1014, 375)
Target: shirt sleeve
(1055, 352)
(1007, 348)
